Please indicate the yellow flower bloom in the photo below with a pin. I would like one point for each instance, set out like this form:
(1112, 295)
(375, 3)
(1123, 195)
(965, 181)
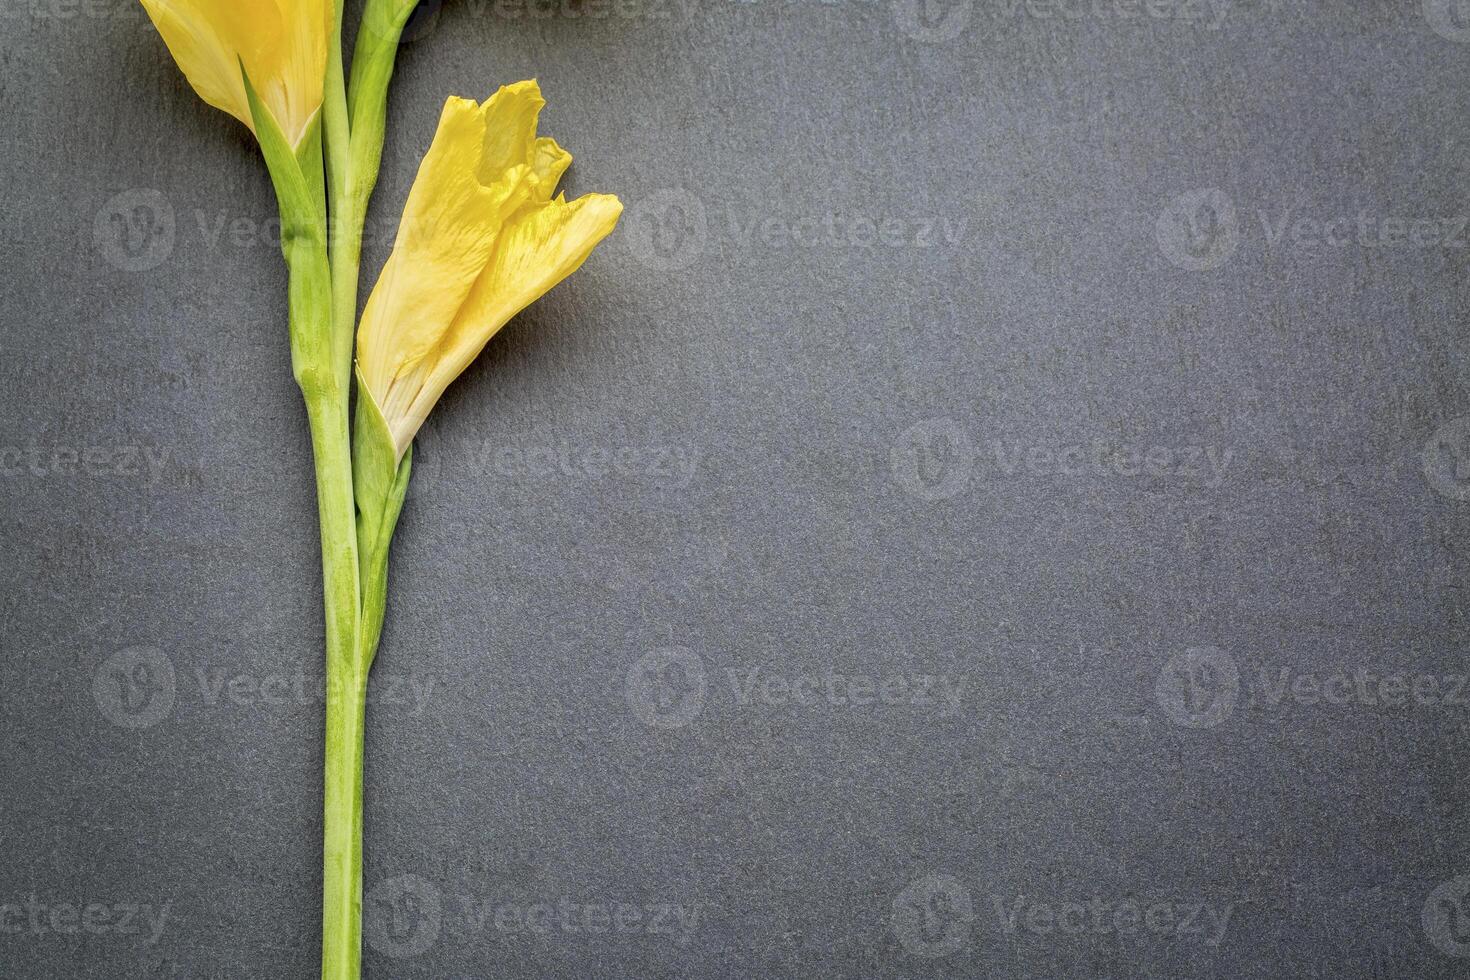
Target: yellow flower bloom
(481, 239)
(282, 44)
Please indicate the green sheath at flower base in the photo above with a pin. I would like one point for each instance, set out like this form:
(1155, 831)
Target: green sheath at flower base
(303, 238)
(380, 487)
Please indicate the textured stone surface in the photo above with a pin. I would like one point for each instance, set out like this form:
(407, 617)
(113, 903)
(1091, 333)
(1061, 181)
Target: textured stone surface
(965, 353)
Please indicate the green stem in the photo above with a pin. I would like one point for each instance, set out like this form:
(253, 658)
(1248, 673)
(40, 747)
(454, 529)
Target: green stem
(346, 685)
(373, 61)
(327, 414)
(345, 224)
(346, 689)
(342, 824)
(346, 671)
(324, 377)
(354, 148)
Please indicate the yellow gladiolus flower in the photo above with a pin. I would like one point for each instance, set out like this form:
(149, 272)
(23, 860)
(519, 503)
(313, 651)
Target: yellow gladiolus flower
(282, 45)
(481, 239)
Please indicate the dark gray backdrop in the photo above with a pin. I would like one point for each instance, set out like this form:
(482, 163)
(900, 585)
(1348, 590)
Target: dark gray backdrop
(996, 508)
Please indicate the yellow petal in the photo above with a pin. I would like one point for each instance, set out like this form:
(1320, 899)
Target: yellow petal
(539, 248)
(481, 239)
(474, 177)
(282, 44)
(299, 67)
(548, 162)
(510, 128)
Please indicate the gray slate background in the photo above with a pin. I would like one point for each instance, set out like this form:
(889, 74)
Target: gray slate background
(969, 347)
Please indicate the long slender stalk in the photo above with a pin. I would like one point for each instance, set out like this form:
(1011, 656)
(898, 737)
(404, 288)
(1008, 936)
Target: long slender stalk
(347, 223)
(324, 378)
(331, 441)
(342, 835)
(344, 221)
(342, 826)
(353, 154)
(346, 694)
(346, 689)
(373, 61)
(346, 680)
(342, 799)
(326, 411)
